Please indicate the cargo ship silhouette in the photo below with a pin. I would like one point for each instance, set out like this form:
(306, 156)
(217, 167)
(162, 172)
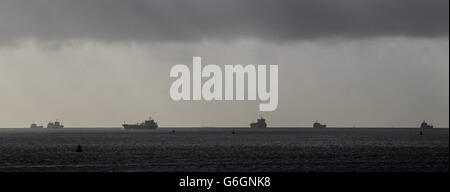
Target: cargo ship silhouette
(425, 125)
(147, 124)
(55, 125)
(317, 125)
(261, 123)
(35, 126)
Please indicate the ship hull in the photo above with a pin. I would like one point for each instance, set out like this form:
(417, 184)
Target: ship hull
(128, 126)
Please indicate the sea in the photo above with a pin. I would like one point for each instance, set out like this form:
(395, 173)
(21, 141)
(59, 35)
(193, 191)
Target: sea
(225, 150)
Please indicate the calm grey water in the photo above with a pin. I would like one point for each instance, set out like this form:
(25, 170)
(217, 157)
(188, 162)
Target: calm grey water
(215, 149)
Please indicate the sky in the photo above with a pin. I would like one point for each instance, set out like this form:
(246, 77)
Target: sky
(97, 63)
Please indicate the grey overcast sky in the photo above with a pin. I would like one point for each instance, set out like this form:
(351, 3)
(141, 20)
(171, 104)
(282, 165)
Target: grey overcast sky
(344, 62)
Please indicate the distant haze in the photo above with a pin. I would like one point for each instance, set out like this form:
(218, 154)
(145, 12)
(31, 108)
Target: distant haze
(93, 63)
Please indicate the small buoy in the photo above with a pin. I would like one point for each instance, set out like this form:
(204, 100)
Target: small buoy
(79, 150)
(232, 132)
(421, 132)
(173, 131)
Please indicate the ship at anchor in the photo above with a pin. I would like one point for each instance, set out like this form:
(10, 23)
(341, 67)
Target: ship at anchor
(261, 123)
(55, 125)
(147, 124)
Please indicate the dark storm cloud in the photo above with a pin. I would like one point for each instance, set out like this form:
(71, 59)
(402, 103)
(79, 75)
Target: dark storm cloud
(170, 20)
